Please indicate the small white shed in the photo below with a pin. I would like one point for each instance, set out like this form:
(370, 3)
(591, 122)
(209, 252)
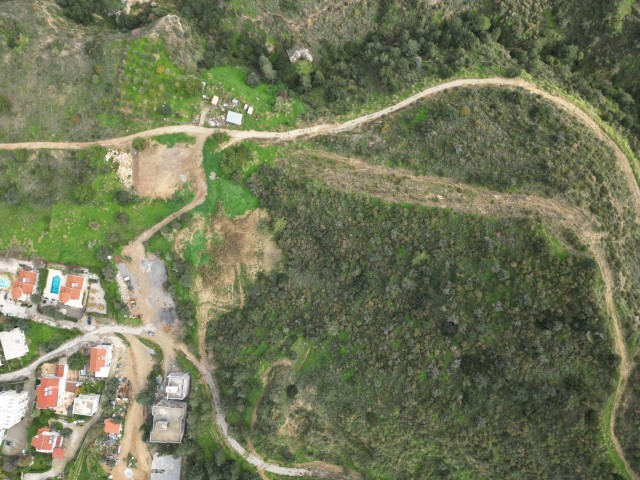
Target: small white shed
(234, 118)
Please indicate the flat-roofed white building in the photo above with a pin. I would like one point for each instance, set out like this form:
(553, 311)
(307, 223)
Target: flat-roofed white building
(13, 406)
(14, 344)
(234, 118)
(177, 385)
(169, 420)
(165, 467)
(86, 404)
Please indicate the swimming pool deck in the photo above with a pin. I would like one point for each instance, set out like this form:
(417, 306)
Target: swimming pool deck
(47, 289)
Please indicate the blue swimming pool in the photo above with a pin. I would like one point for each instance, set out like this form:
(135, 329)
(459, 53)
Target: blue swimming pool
(4, 282)
(55, 285)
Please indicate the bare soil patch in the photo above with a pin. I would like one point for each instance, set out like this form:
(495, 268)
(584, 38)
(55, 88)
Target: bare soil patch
(159, 171)
(237, 250)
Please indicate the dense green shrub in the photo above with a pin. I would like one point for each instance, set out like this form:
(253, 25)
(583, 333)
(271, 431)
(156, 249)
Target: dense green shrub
(439, 344)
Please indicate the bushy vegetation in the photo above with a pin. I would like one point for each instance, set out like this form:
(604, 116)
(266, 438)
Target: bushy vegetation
(227, 194)
(418, 326)
(507, 140)
(511, 141)
(204, 458)
(628, 424)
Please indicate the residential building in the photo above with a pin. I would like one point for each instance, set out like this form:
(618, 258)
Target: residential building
(14, 344)
(24, 285)
(165, 467)
(169, 419)
(112, 428)
(13, 406)
(47, 441)
(177, 385)
(234, 118)
(50, 391)
(86, 404)
(100, 360)
(70, 290)
(58, 453)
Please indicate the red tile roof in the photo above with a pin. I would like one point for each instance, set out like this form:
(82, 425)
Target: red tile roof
(58, 453)
(16, 292)
(72, 289)
(60, 368)
(46, 443)
(98, 359)
(24, 284)
(47, 393)
(110, 427)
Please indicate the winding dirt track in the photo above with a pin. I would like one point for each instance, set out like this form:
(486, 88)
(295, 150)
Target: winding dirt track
(136, 250)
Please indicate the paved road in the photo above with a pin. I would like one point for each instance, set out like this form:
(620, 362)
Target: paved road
(322, 129)
(68, 346)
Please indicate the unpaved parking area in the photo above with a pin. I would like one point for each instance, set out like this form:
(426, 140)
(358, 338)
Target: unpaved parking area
(159, 171)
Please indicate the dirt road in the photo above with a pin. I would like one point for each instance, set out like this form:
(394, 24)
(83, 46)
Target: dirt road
(136, 249)
(138, 365)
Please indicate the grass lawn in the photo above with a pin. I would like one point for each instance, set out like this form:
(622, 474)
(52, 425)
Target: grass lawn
(153, 90)
(173, 139)
(158, 355)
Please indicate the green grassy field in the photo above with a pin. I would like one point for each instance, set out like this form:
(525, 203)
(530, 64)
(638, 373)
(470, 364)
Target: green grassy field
(229, 83)
(234, 197)
(173, 139)
(72, 231)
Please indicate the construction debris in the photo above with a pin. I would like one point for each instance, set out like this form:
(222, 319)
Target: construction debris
(125, 166)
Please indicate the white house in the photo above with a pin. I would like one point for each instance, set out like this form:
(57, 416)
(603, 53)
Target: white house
(13, 406)
(177, 385)
(50, 391)
(70, 290)
(86, 404)
(14, 344)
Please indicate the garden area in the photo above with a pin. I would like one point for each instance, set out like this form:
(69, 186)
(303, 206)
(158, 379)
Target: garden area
(41, 339)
